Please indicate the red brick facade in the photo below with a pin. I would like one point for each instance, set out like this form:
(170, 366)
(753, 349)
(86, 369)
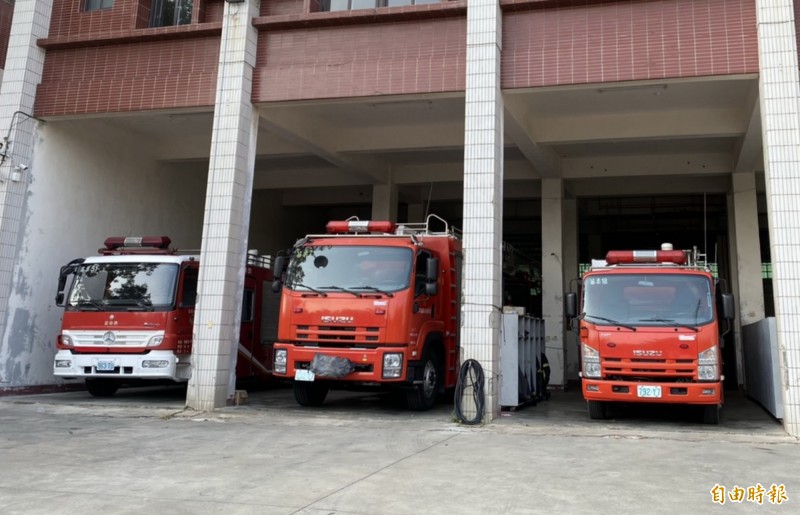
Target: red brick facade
(6, 15)
(109, 61)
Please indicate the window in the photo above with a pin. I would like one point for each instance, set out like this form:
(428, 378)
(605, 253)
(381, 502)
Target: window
(248, 305)
(352, 5)
(96, 5)
(167, 13)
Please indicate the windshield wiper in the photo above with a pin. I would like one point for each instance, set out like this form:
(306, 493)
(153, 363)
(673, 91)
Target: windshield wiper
(670, 322)
(87, 304)
(318, 292)
(340, 288)
(372, 288)
(609, 320)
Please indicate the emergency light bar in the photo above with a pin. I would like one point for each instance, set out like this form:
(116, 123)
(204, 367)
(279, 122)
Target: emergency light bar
(118, 242)
(619, 257)
(360, 226)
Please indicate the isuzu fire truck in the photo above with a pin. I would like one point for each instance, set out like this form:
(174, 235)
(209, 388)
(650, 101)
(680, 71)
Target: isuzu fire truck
(649, 328)
(371, 303)
(129, 311)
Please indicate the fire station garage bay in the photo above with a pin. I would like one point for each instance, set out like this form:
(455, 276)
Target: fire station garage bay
(562, 133)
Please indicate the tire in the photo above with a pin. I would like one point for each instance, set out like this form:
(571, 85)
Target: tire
(711, 414)
(423, 396)
(597, 410)
(310, 393)
(102, 387)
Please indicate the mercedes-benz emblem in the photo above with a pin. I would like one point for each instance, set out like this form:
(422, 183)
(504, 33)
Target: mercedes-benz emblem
(109, 338)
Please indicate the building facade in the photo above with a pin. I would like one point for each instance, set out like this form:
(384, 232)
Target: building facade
(236, 125)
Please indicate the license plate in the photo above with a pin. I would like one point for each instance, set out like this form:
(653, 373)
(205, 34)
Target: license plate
(105, 366)
(652, 392)
(303, 375)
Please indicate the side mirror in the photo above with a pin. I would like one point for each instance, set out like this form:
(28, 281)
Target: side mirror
(60, 298)
(276, 286)
(571, 305)
(280, 266)
(431, 288)
(728, 307)
(66, 270)
(432, 270)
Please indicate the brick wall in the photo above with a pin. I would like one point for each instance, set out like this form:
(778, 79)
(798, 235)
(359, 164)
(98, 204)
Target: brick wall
(278, 7)
(623, 40)
(361, 60)
(129, 77)
(6, 14)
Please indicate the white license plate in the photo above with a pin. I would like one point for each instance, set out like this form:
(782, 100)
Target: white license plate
(105, 366)
(651, 392)
(303, 375)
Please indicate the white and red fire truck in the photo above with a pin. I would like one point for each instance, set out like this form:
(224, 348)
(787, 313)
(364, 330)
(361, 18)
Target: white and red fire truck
(129, 311)
(373, 304)
(649, 328)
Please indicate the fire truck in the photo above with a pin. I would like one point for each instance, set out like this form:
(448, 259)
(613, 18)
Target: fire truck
(371, 303)
(129, 311)
(649, 330)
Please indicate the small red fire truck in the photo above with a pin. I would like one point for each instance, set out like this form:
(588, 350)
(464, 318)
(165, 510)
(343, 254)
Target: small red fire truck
(129, 312)
(649, 331)
(371, 303)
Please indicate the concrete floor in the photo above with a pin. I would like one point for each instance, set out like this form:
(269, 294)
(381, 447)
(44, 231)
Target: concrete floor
(362, 454)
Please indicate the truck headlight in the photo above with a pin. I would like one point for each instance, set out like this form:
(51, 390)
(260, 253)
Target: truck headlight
(392, 365)
(65, 340)
(591, 361)
(708, 365)
(155, 341)
(155, 363)
(63, 363)
(279, 366)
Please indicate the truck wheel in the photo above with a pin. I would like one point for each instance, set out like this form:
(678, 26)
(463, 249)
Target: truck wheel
(711, 414)
(102, 387)
(597, 410)
(310, 393)
(423, 396)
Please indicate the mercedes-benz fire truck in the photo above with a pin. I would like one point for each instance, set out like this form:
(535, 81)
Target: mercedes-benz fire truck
(371, 303)
(129, 311)
(649, 330)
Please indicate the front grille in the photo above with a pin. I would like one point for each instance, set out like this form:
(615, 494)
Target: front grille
(337, 334)
(646, 369)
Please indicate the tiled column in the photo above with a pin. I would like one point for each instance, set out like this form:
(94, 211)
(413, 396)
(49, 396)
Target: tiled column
(553, 277)
(23, 72)
(483, 196)
(748, 285)
(227, 214)
(779, 82)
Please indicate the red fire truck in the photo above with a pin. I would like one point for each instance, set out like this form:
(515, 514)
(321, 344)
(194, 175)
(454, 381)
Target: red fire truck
(649, 331)
(128, 316)
(371, 303)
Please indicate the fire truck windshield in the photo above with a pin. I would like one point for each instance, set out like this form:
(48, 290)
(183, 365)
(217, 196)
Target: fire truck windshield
(648, 299)
(124, 287)
(349, 268)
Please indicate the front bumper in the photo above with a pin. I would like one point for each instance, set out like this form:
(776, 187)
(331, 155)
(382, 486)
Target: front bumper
(122, 366)
(671, 393)
(368, 362)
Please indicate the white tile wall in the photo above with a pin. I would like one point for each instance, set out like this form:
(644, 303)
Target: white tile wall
(483, 195)
(227, 214)
(780, 105)
(23, 71)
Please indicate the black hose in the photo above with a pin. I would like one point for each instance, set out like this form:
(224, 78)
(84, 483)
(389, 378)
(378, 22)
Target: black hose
(470, 379)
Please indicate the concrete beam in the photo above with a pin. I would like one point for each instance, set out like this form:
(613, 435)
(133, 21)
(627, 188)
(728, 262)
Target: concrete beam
(646, 165)
(545, 162)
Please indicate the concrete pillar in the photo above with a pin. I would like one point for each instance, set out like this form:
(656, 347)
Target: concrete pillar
(227, 214)
(553, 277)
(23, 72)
(384, 201)
(779, 84)
(570, 274)
(483, 196)
(749, 284)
